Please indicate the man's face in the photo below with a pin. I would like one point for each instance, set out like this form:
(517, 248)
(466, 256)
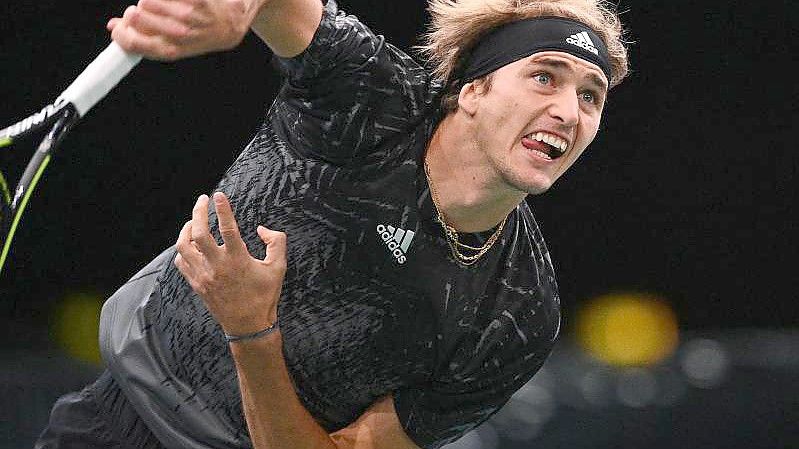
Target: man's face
(539, 114)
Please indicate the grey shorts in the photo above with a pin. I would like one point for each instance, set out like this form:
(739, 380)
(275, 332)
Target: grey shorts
(98, 417)
(101, 416)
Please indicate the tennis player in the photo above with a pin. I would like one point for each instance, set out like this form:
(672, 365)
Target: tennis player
(367, 273)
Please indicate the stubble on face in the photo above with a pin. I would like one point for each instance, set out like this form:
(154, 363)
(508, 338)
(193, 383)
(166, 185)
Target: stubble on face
(512, 106)
(497, 136)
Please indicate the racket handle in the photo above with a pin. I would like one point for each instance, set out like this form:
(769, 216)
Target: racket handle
(99, 77)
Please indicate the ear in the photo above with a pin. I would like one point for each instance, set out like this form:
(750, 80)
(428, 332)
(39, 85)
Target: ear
(469, 97)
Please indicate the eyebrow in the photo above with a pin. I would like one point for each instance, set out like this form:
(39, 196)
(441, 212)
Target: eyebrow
(562, 65)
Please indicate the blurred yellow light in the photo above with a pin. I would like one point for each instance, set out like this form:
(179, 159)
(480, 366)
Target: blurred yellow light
(628, 329)
(76, 323)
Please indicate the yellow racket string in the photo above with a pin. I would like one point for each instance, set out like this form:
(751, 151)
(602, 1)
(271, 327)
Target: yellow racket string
(4, 189)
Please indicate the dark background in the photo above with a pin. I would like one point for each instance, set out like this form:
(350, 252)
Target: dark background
(687, 193)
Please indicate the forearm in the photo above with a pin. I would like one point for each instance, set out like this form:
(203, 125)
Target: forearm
(275, 416)
(286, 26)
(175, 29)
(242, 293)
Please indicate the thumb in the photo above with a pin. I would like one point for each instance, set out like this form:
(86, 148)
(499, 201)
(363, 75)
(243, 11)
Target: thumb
(112, 24)
(275, 242)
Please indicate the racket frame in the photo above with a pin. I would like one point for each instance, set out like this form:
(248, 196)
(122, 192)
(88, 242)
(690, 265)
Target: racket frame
(33, 172)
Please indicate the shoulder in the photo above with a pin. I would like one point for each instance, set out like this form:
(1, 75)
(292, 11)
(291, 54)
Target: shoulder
(343, 44)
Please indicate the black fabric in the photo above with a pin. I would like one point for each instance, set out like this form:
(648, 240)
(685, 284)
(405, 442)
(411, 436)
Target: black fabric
(98, 417)
(339, 158)
(518, 40)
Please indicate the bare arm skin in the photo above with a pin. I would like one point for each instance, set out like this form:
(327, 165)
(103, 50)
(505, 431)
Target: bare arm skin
(288, 26)
(168, 30)
(242, 293)
(277, 419)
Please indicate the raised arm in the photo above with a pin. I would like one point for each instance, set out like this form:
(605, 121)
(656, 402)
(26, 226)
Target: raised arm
(168, 30)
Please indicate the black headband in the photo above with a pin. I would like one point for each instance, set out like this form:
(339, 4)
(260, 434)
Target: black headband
(516, 40)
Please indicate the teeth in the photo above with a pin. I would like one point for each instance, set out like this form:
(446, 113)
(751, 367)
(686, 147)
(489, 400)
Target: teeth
(542, 154)
(555, 141)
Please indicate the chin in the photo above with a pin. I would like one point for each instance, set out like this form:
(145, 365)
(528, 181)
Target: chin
(535, 186)
(537, 190)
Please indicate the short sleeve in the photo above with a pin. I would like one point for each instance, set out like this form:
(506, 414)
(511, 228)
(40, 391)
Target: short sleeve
(348, 93)
(474, 385)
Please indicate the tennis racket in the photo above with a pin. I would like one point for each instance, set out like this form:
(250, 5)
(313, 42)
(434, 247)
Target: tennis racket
(94, 83)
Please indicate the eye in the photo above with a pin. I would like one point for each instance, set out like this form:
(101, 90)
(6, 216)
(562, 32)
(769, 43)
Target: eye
(542, 78)
(589, 97)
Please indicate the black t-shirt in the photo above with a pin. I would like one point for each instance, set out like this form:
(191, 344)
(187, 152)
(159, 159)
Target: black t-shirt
(373, 302)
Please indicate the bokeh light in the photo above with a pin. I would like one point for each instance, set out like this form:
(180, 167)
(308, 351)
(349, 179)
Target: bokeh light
(75, 326)
(704, 362)
(628, 329)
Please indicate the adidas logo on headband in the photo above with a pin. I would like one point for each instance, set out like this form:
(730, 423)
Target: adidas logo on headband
(584, 41)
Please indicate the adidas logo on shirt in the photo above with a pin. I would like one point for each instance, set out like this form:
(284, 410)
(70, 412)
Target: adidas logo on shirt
(583, 40)
(398, 241)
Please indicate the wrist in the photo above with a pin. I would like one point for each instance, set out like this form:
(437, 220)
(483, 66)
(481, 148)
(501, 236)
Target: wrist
(270, 329)
(262, 349)
(245, 322)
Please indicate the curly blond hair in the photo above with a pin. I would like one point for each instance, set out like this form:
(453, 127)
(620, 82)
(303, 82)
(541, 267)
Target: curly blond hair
(458, 25)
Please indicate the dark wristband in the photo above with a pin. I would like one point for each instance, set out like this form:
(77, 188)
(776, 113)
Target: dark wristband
(231, 338)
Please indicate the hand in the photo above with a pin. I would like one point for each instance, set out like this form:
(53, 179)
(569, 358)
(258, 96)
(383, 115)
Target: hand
(240, 291)
(167, 30)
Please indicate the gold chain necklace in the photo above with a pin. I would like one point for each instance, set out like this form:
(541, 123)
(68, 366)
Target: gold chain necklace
(452, 234)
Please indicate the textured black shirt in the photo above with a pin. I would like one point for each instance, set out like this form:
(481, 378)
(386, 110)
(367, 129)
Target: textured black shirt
(373, 301)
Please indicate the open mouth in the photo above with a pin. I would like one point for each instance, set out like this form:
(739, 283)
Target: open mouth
(545, 145)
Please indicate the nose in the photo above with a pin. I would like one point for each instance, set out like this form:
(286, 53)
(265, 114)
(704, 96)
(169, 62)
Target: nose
(565, 107)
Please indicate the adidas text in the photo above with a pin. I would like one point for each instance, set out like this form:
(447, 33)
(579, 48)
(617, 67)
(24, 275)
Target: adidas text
(397, 240)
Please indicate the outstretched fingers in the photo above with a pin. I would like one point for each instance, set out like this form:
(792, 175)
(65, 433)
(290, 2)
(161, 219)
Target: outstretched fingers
(228, 227)
(188, 256)
(200, 232)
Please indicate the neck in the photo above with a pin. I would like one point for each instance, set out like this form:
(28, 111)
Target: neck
(471, 194)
